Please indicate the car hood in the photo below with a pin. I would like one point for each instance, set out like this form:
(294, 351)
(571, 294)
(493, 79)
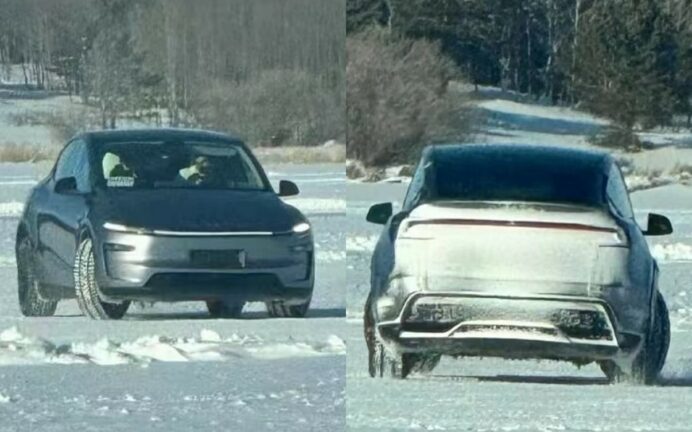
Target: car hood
(197, 210)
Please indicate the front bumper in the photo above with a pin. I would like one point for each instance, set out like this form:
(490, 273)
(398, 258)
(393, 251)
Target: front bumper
(161, 268)
(578, 329)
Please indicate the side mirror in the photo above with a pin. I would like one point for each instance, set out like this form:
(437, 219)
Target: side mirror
(658, 225)
(288, 188)
(67, 185)
(380, 213)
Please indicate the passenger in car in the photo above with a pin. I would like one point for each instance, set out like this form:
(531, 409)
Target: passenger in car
(114, 167)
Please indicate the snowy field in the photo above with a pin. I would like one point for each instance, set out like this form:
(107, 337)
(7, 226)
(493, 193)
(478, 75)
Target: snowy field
(501, 395)
(168, 366)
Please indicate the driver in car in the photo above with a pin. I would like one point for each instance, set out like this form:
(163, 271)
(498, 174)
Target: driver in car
(201, 172)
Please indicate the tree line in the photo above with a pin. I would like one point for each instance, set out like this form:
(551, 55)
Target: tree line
(226, 64)
(628, 60)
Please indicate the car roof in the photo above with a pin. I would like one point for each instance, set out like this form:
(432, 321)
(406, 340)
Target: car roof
(157, 134)
(558, 153)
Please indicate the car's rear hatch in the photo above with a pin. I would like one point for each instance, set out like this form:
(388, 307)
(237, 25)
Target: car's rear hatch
(511, 248)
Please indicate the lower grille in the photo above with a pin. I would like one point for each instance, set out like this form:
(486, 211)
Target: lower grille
(186, 280)
(467, 328)
(442, 314)
(582, 324)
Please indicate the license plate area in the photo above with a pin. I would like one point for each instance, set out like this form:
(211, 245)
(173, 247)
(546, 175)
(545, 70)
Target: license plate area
(218, 259)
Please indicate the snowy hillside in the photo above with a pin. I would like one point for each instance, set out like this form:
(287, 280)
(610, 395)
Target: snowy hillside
(508, 118)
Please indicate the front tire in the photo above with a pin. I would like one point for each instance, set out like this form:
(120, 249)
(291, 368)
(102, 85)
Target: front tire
(649, 362)
(86, 288)
(223, 309)
(31, 303)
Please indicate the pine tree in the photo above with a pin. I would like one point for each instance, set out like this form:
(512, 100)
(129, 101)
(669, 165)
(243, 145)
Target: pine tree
(361, 14)
(627, 61)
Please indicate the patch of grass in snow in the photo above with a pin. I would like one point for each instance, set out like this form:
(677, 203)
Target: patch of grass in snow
(641, 177)
(328, 153)
(64, 124)
(617, 138)
(27, 118)
(13, 152)
(683, 170)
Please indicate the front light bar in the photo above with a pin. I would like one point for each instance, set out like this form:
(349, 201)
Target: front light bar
(110, 226)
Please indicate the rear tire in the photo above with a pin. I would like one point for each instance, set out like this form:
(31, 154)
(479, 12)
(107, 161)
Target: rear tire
(374, 366)
(649, 362)
(421, 363)
(86, 288)
(384, 364)
(279, 309)
(31, 303)
(223, 309)
(381, 363)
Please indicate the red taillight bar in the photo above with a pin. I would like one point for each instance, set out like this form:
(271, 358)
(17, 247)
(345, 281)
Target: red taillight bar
(507, 223)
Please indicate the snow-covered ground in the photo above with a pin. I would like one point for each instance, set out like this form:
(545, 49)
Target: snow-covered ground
(168, 366)
(286, 394)
(509, 120)
(14, 132)
(499, 395)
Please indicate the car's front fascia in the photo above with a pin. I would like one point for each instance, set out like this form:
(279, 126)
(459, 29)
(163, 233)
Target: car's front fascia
(136, 263)
(143, 239)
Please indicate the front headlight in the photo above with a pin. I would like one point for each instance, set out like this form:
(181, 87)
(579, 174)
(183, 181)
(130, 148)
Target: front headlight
(301, 228)
(110, 226)
(115, 227)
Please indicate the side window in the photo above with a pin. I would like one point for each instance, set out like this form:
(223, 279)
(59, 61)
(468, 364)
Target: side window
(419, 189)
(416, 186)
(82, 168)
(617, 193)
(66, 163)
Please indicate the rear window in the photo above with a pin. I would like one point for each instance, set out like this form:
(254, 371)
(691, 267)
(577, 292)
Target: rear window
(517, 177)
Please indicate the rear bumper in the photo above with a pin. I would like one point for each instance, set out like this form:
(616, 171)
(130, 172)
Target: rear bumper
(569, 328)
(160, 268)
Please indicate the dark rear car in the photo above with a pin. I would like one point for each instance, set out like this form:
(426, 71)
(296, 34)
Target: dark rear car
(516, 251)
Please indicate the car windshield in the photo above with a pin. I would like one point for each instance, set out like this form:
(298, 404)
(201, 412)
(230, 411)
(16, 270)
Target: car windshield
(167, 165)
(517, 177)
